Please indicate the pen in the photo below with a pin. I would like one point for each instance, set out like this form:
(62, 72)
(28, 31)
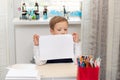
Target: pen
(78, 61)
(91, 62)
(83, 65)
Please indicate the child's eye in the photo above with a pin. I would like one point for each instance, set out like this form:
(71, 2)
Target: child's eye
(59, 29)
(65, 29)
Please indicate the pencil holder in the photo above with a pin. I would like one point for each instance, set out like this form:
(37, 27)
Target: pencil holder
(89, 73)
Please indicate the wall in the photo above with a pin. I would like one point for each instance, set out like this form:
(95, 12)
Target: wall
(86, 26)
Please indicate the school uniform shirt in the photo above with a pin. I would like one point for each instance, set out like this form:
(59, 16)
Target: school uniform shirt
(77, 52)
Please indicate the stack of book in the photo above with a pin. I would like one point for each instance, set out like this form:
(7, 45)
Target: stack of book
(22, 74)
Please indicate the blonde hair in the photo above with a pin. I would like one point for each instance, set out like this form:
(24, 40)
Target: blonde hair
(56, 19)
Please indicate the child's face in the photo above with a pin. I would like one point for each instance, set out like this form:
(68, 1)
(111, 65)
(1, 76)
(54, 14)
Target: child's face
(60, 28)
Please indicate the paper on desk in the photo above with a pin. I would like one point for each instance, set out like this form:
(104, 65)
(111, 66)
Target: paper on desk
(23, 66)
(19, 73)
(56, 47)
(22, 71)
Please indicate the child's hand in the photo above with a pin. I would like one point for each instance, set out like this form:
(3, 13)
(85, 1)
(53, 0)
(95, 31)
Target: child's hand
(75, 37)
(36, 39)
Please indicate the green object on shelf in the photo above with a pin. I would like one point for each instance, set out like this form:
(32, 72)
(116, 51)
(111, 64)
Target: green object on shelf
(34, 17)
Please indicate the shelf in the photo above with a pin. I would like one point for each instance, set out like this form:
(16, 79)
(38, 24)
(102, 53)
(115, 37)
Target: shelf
(17, 21)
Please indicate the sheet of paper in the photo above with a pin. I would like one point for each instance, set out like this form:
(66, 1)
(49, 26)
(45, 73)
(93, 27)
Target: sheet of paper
(56, 47)
(22, 73)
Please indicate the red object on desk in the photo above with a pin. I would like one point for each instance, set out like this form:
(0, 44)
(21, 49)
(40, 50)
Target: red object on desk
(88, 73)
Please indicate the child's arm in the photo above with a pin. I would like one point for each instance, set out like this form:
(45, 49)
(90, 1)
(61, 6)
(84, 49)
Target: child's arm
(36, 39)
(36, 51)
(75, 37)
(37, 56)
(77, 51)
(77, 46)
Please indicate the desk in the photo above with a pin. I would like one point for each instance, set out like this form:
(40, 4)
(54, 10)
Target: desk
(57, 71)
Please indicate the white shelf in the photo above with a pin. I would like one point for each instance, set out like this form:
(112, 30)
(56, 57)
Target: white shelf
(17, 21)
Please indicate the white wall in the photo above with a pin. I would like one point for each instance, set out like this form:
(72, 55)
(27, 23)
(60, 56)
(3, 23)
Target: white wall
(86, 26)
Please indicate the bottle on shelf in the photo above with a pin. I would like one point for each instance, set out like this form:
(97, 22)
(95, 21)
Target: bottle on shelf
(64, 11)
(24, 7)
(45, 16)
(36, 7)
(36, 10)
(24, 11)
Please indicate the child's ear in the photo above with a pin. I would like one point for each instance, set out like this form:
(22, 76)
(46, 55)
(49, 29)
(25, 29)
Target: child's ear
(51, 31)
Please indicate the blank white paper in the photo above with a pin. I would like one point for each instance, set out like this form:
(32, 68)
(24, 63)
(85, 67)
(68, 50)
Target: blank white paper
(22, 72)
(56, 47)
(17, 73)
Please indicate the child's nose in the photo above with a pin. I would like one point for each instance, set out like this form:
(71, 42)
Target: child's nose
(63, 32)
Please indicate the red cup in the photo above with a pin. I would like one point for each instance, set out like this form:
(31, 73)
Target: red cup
(88, 73)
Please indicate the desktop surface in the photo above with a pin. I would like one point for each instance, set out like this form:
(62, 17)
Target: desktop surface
(51, 71)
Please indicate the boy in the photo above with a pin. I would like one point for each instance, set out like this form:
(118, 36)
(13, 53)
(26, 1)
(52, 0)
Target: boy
(58, 25)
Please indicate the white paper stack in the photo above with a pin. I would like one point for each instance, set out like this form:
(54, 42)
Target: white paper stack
(22, 74)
